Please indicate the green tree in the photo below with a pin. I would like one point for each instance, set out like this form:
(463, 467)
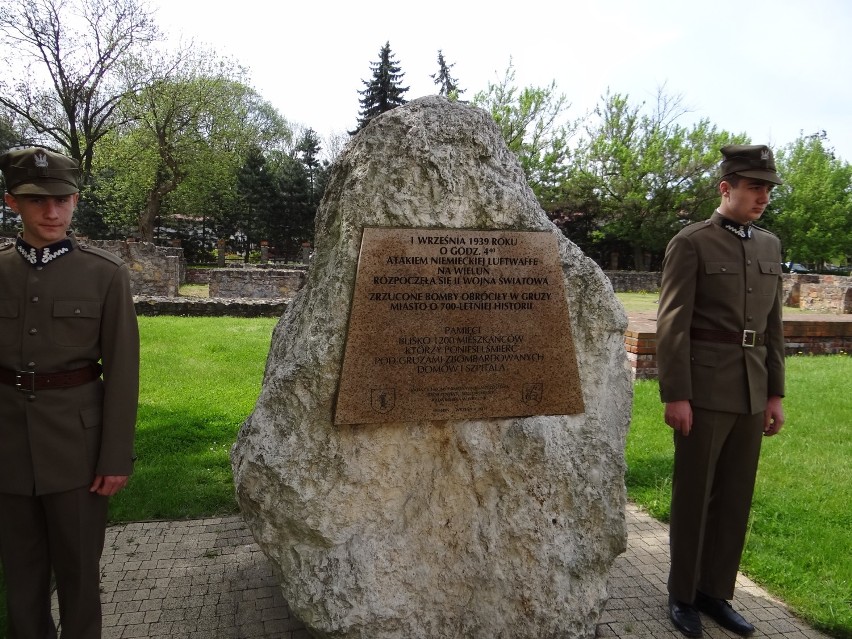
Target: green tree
(308, 153)
(812, 211)
(260, 200)
(576, 208)
(297, 224)
(646, 174)
(99, 213)
(188, 134)
(8, 138)
(82, 46)
(208, 191)
(533, 124)
(384, 91)
(447, 85)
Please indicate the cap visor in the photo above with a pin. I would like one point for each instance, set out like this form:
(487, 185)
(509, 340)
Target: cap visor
(766, 176)
(44, 188)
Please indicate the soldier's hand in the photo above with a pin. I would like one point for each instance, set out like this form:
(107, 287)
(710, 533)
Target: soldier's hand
(108, 485)
(678, 415)
(773, 416)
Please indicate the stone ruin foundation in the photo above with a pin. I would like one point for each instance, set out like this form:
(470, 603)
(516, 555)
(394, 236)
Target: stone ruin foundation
(255, 283)
(154, 270)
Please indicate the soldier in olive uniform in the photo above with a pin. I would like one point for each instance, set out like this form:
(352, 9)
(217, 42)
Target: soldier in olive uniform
(720, 349)
(69, 381)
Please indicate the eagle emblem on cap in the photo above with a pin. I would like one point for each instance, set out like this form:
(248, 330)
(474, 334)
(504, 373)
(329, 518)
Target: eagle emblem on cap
(40, 160)
(764, 154)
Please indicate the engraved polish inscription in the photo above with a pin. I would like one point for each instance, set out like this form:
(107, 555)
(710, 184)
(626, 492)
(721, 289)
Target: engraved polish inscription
(451, 324)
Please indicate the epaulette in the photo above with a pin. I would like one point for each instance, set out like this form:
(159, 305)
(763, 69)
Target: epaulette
(696, 227)
(763, 230)
(112, 257)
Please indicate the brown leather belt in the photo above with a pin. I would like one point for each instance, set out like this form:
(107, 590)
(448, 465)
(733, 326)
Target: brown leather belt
(30, 381)
(746, 339)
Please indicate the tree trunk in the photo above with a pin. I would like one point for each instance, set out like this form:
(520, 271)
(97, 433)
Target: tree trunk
(153, 204)
(149, 215)
(639, 258)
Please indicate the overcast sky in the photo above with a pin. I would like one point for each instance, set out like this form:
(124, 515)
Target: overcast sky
(769, 69)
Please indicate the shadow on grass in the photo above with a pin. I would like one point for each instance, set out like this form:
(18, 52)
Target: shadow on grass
(649, 482)
(183, 468)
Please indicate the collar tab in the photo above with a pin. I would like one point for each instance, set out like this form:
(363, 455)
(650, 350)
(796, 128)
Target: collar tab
(45, 255)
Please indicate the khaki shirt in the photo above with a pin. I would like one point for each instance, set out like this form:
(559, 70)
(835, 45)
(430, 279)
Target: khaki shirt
(71, 312)
(714, 280)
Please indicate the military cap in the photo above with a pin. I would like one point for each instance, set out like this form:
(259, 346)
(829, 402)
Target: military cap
(39, 171)
(749, 160)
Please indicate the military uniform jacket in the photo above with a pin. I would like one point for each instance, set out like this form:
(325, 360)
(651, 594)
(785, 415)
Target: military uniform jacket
(73, 311)
(714, 280)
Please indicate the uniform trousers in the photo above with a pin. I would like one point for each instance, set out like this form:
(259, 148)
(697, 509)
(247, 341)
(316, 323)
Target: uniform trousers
(713, 481)
(63, 532)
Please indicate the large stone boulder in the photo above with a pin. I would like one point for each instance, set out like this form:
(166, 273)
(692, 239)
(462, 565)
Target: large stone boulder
(491, 528)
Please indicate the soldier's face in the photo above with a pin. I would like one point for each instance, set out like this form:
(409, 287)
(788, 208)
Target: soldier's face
(45, 217)
(745, 202)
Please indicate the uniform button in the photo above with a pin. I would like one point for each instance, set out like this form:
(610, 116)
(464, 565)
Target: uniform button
(31, 365)
(748, 262)
(38, 268)
(34, 299)
(749, 289)
(77, 311)
(33, 331)
(723, 269)
(749, 318)
(30, 398)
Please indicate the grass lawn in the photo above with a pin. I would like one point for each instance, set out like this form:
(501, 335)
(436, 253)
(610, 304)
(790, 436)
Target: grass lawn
(195, 290)
(201, 377)
(199, 380)
(642, 302)
(639, 302)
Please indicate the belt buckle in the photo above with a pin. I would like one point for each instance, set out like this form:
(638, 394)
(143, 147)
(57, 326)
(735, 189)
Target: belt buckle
(749, 338)
(21, 377)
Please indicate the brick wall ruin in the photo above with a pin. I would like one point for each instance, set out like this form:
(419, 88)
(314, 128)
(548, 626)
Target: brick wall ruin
(820, 293)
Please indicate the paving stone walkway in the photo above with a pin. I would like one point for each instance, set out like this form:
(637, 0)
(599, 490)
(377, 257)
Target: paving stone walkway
(207, 579)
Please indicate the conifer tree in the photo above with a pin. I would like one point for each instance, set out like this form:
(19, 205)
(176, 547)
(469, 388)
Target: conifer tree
(307, 152)
(447, 85)
(260, 200)
(384, 91)
(298, 223)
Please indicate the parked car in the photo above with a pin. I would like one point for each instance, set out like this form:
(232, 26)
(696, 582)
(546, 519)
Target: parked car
(837, 270)
(795, 267)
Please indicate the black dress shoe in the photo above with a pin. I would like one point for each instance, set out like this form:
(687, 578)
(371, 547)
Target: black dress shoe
(685, 617)
(722, 612)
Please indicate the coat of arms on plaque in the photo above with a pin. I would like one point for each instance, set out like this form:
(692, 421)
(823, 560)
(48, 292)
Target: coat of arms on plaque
(382, 400)
(532, 393)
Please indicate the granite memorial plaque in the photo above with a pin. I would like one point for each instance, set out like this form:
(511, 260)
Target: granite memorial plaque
(451, 324)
